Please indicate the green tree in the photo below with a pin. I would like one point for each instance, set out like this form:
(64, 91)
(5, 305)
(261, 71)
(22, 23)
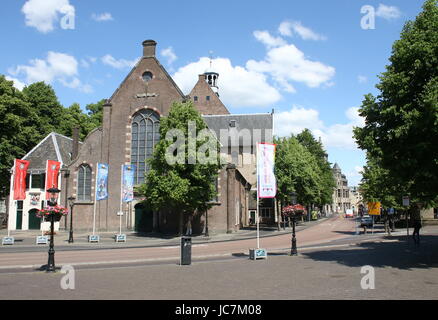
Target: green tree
(74, 117)
(44, 102)
(401, 123)
(16, 129)
(183, 187)
(327, 180)
(296, 170)
(95, 113)
(378, 186)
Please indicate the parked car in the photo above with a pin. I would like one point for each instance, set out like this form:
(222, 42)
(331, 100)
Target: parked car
(366, 221)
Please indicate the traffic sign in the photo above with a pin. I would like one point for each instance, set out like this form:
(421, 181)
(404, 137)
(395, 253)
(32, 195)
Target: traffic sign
(406, 201)
(374, 208)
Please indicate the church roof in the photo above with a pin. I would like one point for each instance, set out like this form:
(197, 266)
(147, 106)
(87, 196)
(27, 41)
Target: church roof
(261, 121)
(53, 147)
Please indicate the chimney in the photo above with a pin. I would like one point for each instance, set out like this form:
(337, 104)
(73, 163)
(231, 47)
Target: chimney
(149, 48)
(75, 150)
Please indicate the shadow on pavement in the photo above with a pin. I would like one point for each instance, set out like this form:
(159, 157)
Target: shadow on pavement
(398, 254)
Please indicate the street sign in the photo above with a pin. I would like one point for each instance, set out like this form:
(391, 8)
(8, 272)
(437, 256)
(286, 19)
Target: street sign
(93, 238)
(406, 201)
(120, 237)
(8, 241)
(259, 253)
(42, 240)
(374, 208)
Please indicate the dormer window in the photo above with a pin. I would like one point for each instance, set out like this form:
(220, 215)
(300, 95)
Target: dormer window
(232, 123)
(208, 98)
(195, 98)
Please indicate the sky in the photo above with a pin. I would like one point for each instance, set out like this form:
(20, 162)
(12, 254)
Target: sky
(310, 61)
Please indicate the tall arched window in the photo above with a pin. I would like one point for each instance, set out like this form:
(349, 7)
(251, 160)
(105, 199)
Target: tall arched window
(84, 183)
(145, 135)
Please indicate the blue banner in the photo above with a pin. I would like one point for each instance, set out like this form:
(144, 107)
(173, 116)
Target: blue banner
(102, 181)
(128, 183)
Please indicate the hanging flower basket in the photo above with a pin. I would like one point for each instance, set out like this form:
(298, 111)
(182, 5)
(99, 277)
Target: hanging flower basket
(57, 212)
(294, 210)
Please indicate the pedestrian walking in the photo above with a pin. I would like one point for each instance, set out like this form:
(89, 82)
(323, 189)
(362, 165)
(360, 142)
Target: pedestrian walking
(189, 226)
(416, 233)
(388, 226)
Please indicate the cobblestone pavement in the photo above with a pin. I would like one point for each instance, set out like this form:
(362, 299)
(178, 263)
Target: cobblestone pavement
(402, 271)
(329, 265)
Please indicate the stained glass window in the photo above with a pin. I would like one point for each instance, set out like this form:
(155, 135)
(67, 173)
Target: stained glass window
(145, 135)
(84, 183)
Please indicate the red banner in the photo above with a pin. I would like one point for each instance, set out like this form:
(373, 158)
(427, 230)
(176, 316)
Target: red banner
(52, 171)
(20, 172)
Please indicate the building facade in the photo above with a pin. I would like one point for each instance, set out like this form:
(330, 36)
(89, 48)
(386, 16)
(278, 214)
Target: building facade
(128, 135)
(341, 195)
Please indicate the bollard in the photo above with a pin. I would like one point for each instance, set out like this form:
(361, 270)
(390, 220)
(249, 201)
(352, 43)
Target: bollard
(186, 250)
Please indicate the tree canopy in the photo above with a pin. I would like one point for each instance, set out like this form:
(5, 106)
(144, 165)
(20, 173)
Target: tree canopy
(27, 116)
(303, 168)
(182, 187)
(401, 124)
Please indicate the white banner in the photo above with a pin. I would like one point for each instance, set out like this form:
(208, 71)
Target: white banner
(266, 183)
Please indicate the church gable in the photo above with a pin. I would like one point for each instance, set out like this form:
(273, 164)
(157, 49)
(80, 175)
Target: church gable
(148, 84)
(205, 100)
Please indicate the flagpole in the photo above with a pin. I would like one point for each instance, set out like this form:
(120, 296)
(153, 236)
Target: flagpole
(11, 197)
(258, 185)
(95, 198)
(121, 198)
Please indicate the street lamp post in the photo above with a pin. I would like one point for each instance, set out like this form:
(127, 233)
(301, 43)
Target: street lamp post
(71, 202)
(52, 202)
(293, 250)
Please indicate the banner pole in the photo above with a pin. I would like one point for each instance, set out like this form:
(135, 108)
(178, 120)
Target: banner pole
(95, 199)
(121, 199)
(11, 198)
(258, 185)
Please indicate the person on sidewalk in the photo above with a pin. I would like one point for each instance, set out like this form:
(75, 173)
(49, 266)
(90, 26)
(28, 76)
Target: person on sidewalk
(189, 226)
(416, 233)
(387, 224)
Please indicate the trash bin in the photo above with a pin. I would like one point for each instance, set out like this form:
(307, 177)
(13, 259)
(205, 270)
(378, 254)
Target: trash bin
(186, 250)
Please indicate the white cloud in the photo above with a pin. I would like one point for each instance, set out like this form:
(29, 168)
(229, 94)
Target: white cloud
(388, 12)
(42, 14)
(57, 66)
(268, 40)
(17, 83)
(296, 120)
(362, 79)
(287, 28)
(333, 136)
(237, 86)
(102, 17)
(354, 117)
(287, 63)
(169, 54)
(118, 64)
(86, 63)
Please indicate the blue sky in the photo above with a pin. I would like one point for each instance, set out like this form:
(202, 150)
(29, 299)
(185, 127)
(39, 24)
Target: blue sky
(312, 61)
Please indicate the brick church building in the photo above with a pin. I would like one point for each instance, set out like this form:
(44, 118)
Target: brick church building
(129, 132)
